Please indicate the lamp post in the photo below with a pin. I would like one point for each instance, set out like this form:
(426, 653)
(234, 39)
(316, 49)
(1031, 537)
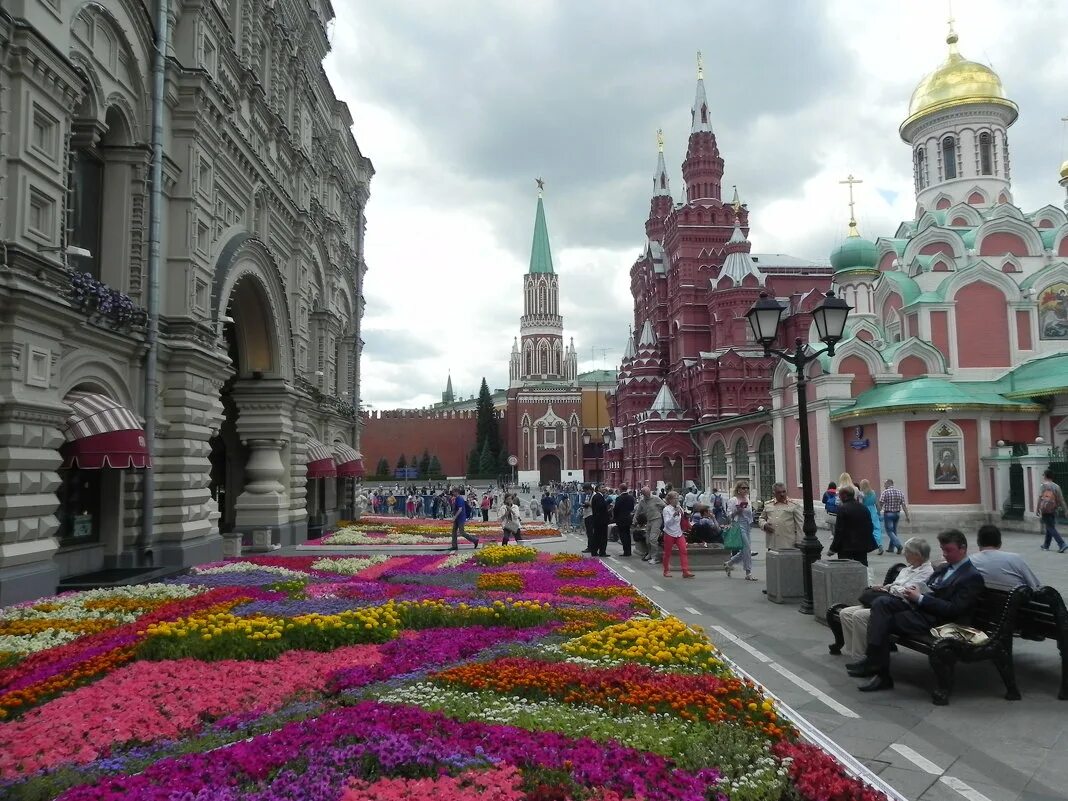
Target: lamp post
(607, 436)
(586, 438)
(830, 318)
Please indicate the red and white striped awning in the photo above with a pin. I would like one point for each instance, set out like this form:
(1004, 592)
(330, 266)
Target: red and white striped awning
(349, 461)
(321, 462)
(101, 432)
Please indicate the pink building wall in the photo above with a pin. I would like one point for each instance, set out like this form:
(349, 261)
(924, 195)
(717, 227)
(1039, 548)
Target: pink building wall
(982, 326)
(918, 470)
(864, 463)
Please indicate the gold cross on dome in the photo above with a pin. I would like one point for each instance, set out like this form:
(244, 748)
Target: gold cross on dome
(541, 185)
(851, 180)
(700, 66)
(660, 139)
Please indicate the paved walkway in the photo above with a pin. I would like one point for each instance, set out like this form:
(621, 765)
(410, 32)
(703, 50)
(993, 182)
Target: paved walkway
(980, 748)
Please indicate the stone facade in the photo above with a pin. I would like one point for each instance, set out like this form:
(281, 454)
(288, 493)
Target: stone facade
(260, 279)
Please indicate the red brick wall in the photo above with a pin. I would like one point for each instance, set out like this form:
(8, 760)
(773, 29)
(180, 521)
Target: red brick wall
(450, 439)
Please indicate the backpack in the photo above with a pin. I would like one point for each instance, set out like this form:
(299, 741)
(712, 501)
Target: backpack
(1047, 501)
(831, 504)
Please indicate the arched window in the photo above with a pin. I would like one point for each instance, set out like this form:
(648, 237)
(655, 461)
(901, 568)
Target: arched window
(949, 157)
(719, 460)
(741, 458)
(986, 154)
(704, 113)
(921, 167)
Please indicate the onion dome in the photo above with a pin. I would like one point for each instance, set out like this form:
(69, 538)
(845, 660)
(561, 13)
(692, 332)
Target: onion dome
(957, 82)
(1064, 170)
(855, 253)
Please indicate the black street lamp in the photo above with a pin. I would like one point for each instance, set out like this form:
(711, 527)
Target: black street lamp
(830, 318)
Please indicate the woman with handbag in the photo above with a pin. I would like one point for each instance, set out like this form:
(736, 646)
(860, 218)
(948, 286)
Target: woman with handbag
(854, 619)
(674, 537)
(510, 523)
(740, 517)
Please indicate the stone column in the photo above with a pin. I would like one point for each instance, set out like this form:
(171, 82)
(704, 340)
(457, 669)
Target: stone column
(265, 425)
(190, 413)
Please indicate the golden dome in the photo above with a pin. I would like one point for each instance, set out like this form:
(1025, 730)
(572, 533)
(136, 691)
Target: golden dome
(1064, 170)
(957, 82)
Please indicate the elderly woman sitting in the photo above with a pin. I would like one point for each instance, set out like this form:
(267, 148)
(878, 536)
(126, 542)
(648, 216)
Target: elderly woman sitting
(917, 553)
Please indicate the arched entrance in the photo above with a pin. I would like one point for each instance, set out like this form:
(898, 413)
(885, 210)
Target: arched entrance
(549, 469)
(250, 453)
(672, 471)
(765, 467)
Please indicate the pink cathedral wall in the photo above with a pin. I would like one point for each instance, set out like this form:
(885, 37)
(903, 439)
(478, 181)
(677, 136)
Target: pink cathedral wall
(863, 463)
(940, 332)
(982, 326)
(862, 380)
(1023, 329)
(1000, 243)
(912, 367)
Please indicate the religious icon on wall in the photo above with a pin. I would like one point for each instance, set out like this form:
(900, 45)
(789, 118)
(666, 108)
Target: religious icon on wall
(1053, 312)
(946, 459)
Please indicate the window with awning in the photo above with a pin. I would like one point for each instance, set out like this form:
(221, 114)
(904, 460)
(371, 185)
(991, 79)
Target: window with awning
(101, 432)
(349, 461)
(321, 462)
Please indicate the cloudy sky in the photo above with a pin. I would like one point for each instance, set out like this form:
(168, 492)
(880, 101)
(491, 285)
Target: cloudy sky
(461, 104)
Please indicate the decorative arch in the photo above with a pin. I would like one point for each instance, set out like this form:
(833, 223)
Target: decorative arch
(922, 243)
(717, 458)
(977, 197)
(933, 361)
(246, 257)
(859, 349)
(967, 212)
(740, 457)
(1049, 216)
(1008, 234)
(98, 375)
(980, 271)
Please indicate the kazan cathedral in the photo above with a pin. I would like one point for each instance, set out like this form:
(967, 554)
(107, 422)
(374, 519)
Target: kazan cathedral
(952, 379)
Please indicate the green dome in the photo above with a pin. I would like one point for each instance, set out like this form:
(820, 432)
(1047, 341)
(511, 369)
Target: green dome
(854, 253)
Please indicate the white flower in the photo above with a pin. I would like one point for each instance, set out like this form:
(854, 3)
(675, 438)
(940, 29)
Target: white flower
(347, 567)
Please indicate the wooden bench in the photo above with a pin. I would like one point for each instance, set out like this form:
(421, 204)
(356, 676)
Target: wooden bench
(1003, 615)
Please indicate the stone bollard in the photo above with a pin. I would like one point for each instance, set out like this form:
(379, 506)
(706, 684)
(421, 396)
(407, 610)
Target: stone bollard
(231, 546)
(836, 581)
(262, 540)
(786, 580)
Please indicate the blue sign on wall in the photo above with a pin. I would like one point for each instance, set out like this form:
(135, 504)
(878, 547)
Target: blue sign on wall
(859, 442)
(406, 472)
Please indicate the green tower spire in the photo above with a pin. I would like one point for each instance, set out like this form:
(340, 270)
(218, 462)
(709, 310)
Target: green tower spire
(541, 257)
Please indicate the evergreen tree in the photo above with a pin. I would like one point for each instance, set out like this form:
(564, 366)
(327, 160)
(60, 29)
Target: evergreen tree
(424, 464)
(383, 467)
(472, 463)
(503, 468)
(402, 462)
(486, 430)
(487, 462)
(435, 468)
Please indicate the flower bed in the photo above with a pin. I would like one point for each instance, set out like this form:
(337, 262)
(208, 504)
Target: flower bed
(380, 530)
(512, 676)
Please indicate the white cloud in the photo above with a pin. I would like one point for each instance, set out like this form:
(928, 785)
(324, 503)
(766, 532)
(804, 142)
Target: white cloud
(460, 105)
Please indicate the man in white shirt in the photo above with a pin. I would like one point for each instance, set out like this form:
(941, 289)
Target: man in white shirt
(690, 500)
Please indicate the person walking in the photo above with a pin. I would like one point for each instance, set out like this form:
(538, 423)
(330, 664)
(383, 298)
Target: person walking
(548, 507)
(622, 514)
(852, 529)
(563, 512)
(649, 516)
(459, 518)
(1050, 501)
(740, 514)
(510, 515)
(599, 514)
(487, 502)
(892, 505)
(673, 536)
(870, 500)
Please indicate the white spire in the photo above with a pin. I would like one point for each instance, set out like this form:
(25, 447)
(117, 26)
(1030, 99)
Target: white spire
(665, 401)
(515, 344)
(628, 353)
(661, 182)
(738, 263)
(702, 115)
(648, 338)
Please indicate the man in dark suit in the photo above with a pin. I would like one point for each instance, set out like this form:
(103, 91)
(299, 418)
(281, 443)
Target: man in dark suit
(587, 519)
(853, 528)
(622, 512)
(599, 509)
(952, 593)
